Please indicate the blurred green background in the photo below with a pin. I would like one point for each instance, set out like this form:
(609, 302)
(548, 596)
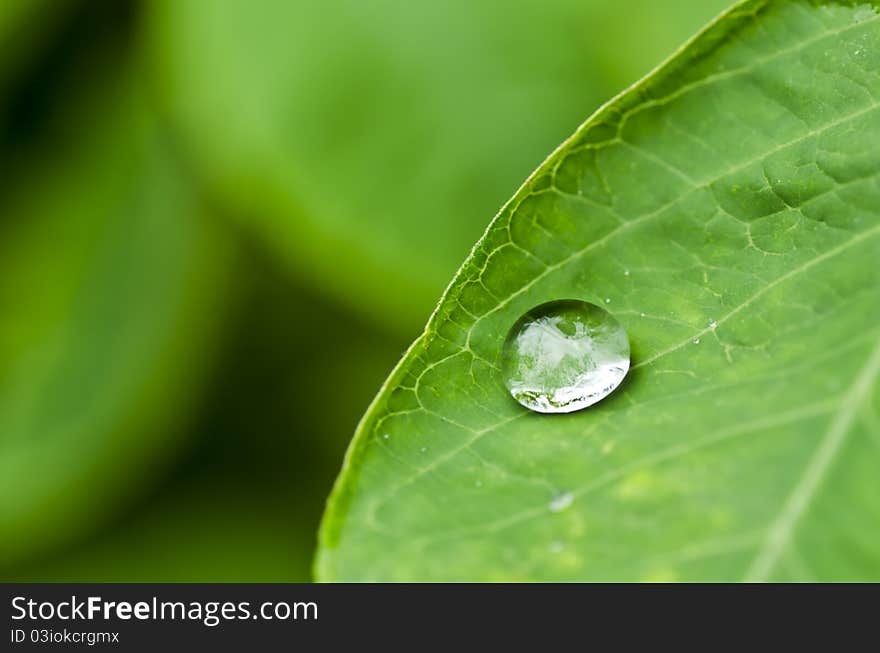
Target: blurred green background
(222, 222)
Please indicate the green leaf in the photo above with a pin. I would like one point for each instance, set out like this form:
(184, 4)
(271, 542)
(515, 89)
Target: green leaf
(111, 285)
(726, 209)
(368, 141)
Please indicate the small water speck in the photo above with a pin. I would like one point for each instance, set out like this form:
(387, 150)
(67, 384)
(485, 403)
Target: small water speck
(607, 300)
(713, 324)
(564, 356)
(641, 315)
(626, 273)
(561, 502)
(386, 436)
(423, 449)
(696, 341)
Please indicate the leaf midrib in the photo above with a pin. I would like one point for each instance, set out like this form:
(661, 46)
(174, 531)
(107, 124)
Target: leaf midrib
(782, 528)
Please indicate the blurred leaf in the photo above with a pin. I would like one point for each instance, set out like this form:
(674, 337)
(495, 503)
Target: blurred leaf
(727, 211)
(52, 52)
(110, 287)
(22, 23)
(203, 531)
(244, 504)
(368, 141)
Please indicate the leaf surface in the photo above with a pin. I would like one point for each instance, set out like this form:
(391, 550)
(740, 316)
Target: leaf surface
(726, 210)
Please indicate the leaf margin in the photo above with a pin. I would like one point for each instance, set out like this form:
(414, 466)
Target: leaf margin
(343, 489)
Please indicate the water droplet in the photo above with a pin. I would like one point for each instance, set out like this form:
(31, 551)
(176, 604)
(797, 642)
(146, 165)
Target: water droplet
(607, 300)
(564, 356)
(713, 324)
(696, 341)
(423, 449)
(626, 273)
(386, 436)
(641, 315)
(561, 502)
